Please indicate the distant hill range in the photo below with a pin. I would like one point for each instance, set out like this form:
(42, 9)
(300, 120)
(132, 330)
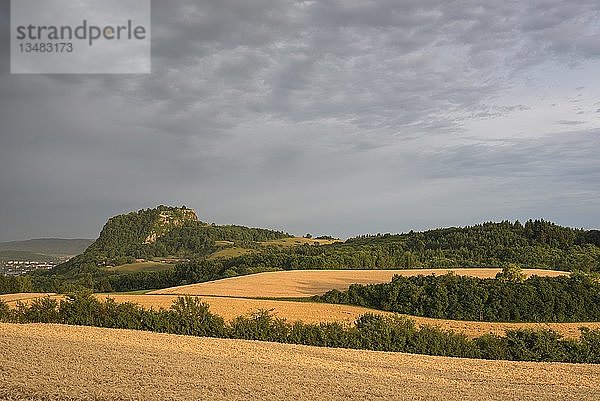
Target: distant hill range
(20, 257)
(46, 246)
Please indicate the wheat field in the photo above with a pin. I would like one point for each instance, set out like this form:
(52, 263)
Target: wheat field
(55, 362)
(306, 283)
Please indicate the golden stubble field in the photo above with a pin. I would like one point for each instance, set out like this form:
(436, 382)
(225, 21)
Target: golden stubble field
(54, 362)
(306, 283)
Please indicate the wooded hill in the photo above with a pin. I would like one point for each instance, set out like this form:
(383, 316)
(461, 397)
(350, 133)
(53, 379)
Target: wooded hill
(536, 244)
(163, 232)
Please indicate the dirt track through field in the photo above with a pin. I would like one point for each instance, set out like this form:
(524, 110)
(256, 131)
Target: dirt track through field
(53, 362)
(306, 283)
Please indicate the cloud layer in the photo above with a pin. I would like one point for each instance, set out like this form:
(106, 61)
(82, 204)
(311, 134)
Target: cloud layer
(339, 117)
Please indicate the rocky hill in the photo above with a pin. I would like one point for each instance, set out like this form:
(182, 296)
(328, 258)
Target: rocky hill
(165, 231)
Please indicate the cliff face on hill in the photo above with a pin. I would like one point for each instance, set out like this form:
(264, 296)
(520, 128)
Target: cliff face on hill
(123, 233)
(167, 220)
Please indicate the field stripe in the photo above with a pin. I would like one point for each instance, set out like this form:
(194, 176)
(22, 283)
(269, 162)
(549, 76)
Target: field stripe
(306, 283)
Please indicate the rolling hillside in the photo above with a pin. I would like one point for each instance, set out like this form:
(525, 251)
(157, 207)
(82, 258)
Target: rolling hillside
(6, 256)
(233, 297)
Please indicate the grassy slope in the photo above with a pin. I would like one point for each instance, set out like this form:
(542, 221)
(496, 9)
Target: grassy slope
(229, 252)
(142, 266)
(295, 241)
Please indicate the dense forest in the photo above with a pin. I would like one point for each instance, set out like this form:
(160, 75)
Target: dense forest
(189, 316)
(537, 244)
(574, 298)
(12, 284)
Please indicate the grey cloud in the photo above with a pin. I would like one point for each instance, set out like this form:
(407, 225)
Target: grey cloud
(336, 116)
(570, 122)
(558, 158)
(306, 61)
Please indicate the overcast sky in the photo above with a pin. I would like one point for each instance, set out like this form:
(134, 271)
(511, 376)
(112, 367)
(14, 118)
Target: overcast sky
(330, 117)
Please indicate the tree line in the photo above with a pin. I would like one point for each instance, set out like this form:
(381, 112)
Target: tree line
(189, 316)
(15, 284)
(574, 298)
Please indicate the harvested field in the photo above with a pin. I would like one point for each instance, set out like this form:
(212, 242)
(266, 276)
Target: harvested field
(54, 362)
(308, 312)
(12, 299)
(306, 283)
(230, 308)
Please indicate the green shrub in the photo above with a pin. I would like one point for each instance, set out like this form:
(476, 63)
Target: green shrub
(589, 351)
(260, 325)
(535, 345)
(190, 316)
(492, 346)
(41, 310)
(81, 309)
(5, 315)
